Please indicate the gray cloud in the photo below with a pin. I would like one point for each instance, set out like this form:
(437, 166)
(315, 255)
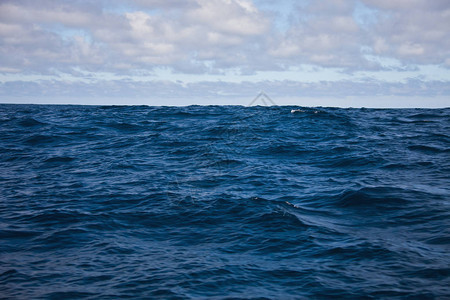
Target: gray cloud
(157, 89)
(129, 37)
(323, 33)
(210, 35)
(412, 31)
(210, 32)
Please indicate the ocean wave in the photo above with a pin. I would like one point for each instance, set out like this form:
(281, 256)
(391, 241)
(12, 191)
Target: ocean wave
(205, 202)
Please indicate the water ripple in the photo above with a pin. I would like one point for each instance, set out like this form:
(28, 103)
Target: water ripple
(224, 202)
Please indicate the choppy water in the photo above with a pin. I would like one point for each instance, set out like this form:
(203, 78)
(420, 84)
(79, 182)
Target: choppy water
(224, 202)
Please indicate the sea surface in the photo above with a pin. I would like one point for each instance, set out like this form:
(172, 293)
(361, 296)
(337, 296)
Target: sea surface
(224, 202)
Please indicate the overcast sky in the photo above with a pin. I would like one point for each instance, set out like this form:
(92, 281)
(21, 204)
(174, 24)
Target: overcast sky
(373, 53)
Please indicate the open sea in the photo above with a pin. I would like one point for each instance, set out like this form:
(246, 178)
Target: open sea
(224, 202)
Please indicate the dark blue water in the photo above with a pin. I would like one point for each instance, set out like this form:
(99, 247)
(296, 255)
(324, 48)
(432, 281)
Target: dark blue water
(224, 202)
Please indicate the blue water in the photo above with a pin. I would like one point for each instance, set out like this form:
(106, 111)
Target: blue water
(224, 202)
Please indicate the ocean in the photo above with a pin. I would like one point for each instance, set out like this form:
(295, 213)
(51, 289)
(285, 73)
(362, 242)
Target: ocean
(224, 202)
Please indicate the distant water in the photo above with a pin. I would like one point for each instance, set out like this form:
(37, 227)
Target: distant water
(224, 202)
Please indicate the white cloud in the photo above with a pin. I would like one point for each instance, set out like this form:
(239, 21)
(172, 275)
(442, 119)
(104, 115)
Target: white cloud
(237, 17)
(325, 93)
(201, 32)
(166, 4)
(206, 37)
(414, 31)
(28, 42)
(220, 34)
(323, 33)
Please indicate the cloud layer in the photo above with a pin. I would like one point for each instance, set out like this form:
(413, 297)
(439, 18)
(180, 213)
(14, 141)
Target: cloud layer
(209, 37)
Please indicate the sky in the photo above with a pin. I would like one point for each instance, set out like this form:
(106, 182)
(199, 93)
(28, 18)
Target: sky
(347, 53)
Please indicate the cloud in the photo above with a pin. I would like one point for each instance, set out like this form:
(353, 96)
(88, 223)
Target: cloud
(412, 31)
(210, 32)
(213, 35)
(166, 4)
(236, 17)
(221, 92)
(130, 38)
(31, 43)
(323, 33)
